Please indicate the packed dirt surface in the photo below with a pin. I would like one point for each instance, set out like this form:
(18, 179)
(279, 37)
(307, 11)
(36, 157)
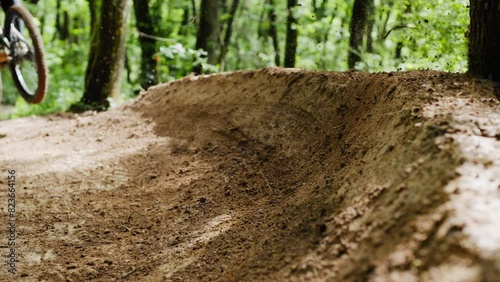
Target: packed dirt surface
(270, 175)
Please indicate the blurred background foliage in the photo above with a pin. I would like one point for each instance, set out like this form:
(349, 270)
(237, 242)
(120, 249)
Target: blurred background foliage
(402, 35)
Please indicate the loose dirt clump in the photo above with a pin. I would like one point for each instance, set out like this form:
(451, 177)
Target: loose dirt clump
(270, 175)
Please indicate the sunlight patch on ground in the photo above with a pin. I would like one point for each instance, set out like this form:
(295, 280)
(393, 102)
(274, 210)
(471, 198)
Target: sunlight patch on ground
(475, 193)
(184, 251)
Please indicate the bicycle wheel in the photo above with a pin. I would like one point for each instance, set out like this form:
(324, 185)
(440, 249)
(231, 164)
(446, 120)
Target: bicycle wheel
(28, 68)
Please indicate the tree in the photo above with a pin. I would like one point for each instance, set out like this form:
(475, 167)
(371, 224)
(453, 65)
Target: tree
(228, 33)
(319, 13)
(146, 29)
(430, 35)
(106, 56)
(209, 31)
(484, 39)
(399, 46)
(291, 35)
(62, 26)
(357, 29)
(273, 31)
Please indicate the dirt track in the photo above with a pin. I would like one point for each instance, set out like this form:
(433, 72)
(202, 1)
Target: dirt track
(268, 175)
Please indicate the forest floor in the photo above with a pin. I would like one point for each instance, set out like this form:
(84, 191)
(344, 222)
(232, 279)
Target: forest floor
(270, 175)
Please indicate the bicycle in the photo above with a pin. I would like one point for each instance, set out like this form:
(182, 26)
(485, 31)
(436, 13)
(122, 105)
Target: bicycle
(23, 52)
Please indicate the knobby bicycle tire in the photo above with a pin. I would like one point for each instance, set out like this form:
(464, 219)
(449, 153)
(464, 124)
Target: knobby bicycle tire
(30, 95)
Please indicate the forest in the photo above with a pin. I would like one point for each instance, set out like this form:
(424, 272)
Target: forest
(251, 140)
(164, 40)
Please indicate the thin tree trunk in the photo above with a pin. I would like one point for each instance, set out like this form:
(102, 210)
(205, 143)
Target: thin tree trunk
(195, 13)
(369, 29)
(145, 26)
(105, 67)
(227, 35)
(42, 19)
(94, 7)
(261, 30)
(383, 30)
(128, 68)
(484, 39)
(359, 20)
(58, 17)
(62, 26)
(65, 28)
(291, 35)
(209, 31)
(273, 32)
(320, 13)
(399, 45)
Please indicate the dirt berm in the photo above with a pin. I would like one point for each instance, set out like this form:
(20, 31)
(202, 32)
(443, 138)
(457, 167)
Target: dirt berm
(269, 175)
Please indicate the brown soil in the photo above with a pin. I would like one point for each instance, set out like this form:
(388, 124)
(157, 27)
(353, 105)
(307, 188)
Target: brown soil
(273, 175)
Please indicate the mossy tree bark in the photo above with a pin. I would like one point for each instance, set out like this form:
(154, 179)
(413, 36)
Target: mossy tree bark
(107, 54)
(484, 39)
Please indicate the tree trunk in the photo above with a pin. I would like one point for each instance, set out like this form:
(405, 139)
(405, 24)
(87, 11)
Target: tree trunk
(62, 25)
(291, 35)
(319, 14)
(325, 41)
(209, 31)
(359, 21)
(185, 22)
(273, 31)
(262, 30)
(195, 14)
(369, 30)
(107, 53)
(148, 45)
(227, 35)
(484, 39)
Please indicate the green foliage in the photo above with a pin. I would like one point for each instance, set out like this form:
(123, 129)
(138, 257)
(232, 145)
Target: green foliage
(314, 52)
(430, 36)
(177, 61)
(406, 35)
